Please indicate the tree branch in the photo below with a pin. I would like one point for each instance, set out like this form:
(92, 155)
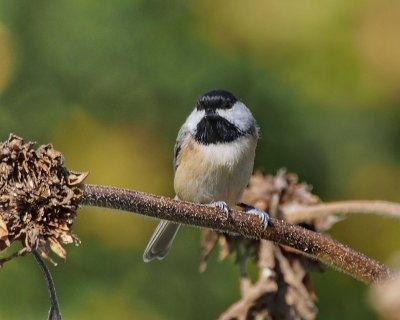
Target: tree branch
(310, 243)
(295, 213)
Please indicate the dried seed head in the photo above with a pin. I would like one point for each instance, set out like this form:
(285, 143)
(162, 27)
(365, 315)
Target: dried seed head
(38, 198)
(270, 193)
(283, 288)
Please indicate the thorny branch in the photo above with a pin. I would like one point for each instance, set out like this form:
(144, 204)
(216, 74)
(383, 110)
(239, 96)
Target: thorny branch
(310, 243)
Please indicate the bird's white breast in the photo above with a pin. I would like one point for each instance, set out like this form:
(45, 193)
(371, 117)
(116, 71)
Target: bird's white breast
(214, 172)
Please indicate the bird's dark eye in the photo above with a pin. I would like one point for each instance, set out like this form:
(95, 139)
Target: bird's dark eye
(216, 99)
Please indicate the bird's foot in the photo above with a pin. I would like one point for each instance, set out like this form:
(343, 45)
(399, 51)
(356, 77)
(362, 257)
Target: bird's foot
(264, 217)
(221, 205)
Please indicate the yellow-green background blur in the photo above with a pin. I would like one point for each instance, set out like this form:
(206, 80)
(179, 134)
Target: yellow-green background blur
(110, 82)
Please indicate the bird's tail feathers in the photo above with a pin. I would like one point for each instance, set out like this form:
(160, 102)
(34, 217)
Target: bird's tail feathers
(161, 241)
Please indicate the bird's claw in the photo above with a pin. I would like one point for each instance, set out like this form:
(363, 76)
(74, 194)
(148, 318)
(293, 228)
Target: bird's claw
(221, 205)
(264, 217)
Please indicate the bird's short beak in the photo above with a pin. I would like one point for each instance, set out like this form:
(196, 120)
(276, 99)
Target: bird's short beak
(211, 114)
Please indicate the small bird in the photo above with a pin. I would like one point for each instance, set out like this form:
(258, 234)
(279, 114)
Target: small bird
(214, 158)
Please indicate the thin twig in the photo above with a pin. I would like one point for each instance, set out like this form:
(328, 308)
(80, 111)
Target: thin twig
(54, 312)
(295, 214)
(310, 243)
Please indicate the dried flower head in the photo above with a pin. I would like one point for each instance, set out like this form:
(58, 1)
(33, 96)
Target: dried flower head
(38, 198)
(283, 288)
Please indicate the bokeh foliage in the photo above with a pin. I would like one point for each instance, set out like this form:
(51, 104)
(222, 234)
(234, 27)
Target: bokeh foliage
(109, 84)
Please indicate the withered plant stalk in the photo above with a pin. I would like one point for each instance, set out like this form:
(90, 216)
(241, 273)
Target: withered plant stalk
(295, 214)
(310, 243)
(54, 312)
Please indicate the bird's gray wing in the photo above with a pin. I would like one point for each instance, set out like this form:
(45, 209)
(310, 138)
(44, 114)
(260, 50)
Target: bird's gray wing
(162, 238)
(182, 135)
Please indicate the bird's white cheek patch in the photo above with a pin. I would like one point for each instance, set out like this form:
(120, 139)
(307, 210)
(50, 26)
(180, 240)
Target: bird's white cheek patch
(239, 115)
(193, 120)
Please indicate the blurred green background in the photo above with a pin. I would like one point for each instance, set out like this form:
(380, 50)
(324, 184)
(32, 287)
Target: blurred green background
(110, 83)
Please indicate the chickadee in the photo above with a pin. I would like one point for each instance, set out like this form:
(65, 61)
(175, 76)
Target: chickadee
(214, 158)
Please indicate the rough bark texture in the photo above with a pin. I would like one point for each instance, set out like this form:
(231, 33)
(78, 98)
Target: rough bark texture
(310, 243)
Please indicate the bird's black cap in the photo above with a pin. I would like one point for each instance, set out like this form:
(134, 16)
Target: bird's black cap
(216, 99)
